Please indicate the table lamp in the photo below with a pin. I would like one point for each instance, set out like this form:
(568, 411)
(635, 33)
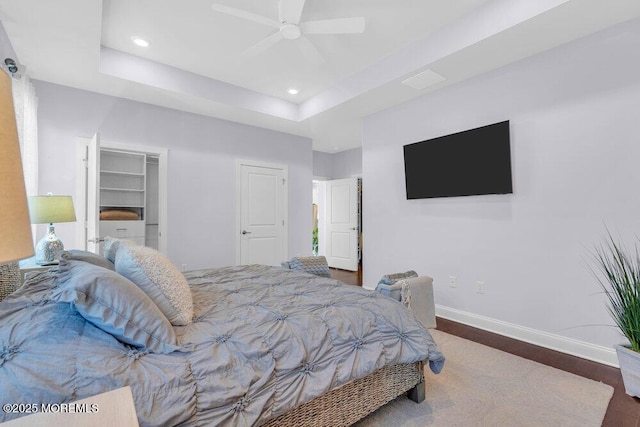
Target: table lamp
(47, 210)
(15, 230)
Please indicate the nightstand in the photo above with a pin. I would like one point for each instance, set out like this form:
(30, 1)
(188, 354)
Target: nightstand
(28, 265)
(113, 408)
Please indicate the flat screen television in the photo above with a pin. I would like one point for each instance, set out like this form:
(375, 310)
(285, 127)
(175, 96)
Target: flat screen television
(472, 162)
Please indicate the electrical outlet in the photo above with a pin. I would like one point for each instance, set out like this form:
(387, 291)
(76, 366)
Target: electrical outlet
(480, 287)
(453, 281)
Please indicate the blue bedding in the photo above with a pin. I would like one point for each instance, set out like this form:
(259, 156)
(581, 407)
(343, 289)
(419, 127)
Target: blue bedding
(263, 341)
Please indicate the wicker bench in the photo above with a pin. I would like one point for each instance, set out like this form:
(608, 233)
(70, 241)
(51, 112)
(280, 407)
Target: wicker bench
(356, 399)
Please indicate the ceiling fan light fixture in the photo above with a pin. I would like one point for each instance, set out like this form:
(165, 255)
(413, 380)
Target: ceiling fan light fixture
(290, 28)
(290, 32)
(139, 41)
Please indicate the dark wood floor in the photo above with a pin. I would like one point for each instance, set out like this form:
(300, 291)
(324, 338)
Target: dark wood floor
(623, 410)
(348, 277)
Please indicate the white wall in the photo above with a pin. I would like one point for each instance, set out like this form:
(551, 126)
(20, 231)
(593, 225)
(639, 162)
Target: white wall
(6, 49)
(575, 129)
(201, 166)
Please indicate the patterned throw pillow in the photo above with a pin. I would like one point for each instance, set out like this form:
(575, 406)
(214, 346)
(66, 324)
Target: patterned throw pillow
(152, 272)
(313, 264)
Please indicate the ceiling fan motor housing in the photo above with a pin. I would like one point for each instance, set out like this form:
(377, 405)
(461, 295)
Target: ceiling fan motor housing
(290, 31)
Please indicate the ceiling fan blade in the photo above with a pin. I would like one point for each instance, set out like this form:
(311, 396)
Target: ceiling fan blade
(290, 11)
(239, 13)
(334, 26)
(310, 52)
(263, 45)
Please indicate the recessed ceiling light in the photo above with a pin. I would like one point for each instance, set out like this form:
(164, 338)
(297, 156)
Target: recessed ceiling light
(336, 148)
(140, 41)
(293, 91)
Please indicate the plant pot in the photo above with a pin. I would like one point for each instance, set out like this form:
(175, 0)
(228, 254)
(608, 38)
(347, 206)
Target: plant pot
(630, 367)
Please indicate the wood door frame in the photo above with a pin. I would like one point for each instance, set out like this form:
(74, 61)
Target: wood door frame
(81, 186)
(285, 204)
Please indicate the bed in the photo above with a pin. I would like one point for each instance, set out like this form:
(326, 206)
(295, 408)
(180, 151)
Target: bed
(264, 346)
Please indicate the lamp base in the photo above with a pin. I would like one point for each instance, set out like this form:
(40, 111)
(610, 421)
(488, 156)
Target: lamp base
(49, 248)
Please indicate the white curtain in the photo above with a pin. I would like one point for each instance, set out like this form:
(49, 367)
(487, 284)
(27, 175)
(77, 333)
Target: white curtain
(26, 105)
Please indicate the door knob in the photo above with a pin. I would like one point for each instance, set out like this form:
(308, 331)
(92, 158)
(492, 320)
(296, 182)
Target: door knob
(354, 228)
(246, 232)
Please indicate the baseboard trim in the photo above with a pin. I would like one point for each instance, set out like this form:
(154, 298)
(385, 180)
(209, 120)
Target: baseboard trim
(585, 350)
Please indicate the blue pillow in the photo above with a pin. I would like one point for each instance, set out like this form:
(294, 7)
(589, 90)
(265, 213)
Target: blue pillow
(391, 279)
(114, 304)
(89, 257)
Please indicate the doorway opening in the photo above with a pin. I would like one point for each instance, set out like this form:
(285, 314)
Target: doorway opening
(337, 211)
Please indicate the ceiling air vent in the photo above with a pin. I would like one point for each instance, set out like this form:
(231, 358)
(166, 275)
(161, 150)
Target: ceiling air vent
(424, 79)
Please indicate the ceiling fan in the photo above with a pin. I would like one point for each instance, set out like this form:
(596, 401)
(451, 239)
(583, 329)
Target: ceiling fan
(290, 28)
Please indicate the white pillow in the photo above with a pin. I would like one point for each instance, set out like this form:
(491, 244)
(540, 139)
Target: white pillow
(159, 279)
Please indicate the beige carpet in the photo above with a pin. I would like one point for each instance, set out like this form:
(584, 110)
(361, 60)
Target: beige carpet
(482, 386)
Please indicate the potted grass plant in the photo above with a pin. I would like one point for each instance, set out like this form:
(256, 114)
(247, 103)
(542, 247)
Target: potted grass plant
(619, 277)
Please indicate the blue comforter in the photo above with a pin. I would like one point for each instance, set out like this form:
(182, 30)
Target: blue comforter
(264, 340)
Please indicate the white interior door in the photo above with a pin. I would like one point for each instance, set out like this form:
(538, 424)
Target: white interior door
(93, 199)
(341, 213)
(262, 211)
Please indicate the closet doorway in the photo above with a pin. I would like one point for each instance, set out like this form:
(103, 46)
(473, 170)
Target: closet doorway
(121, 192)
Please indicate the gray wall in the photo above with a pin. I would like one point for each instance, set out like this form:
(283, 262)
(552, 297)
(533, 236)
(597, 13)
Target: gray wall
(322, 165)
(201, 170)
(574, 136)
(345, 164)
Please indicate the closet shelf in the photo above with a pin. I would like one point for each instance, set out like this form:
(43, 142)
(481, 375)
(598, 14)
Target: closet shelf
(123, 185)
(112, 172)
(133, 190)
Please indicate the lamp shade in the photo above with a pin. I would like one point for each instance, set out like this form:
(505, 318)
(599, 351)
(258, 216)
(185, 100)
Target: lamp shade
(50, 209)
(15, 230)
